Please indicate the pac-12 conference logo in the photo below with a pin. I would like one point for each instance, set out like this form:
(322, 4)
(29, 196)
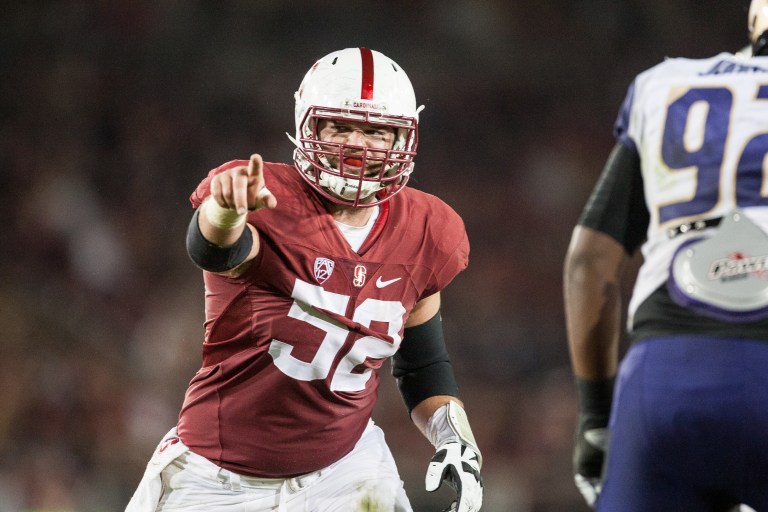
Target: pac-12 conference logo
(323, 269)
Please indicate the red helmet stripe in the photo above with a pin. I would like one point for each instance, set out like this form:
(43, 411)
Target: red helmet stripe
(366, 88)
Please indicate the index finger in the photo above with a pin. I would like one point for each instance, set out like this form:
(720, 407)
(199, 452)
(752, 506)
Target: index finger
(255, 165)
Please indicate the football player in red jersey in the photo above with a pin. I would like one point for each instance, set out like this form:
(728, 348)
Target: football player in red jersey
(315, 273)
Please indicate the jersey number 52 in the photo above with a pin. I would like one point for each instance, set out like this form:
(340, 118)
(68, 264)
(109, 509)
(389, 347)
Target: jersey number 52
(309, 301)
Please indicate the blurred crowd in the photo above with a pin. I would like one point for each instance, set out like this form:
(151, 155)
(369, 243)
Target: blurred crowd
(111, 113)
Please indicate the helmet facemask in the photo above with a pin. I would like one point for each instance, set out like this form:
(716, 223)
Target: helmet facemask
(323, 162)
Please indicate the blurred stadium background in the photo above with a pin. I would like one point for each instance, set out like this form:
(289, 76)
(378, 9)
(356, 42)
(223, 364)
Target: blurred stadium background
(112, 111)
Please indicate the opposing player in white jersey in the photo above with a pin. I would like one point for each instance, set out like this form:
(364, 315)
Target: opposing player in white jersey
(315, 273)
(685, 427)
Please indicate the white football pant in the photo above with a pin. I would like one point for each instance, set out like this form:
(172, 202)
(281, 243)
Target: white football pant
(177, 479)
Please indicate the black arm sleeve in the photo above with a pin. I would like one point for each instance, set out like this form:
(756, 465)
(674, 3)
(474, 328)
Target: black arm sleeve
(212, 257)
(617, 204)
(422, 366)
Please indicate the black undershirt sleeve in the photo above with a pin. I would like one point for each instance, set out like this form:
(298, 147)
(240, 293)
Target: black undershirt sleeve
(617, 204)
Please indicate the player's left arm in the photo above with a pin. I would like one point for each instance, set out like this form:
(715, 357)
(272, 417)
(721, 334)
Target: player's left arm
(429, 389)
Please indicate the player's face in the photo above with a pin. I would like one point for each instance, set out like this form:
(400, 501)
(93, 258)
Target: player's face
(356, 137)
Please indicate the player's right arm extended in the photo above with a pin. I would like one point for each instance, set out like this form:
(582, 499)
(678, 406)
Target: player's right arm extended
(218, 238)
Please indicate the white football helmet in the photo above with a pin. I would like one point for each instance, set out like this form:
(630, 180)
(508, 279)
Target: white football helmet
(758, 26)
(363, 86)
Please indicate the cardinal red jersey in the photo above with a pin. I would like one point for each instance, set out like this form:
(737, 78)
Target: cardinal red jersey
(292, 346)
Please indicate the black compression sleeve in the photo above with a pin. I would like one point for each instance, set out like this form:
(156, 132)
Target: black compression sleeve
(422, 366)
(212, 257)
(617, 204)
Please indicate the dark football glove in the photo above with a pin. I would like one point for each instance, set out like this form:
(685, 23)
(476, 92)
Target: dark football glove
(589, 455)
(595, 397)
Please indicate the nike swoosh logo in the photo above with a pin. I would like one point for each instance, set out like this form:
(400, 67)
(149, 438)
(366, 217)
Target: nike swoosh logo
(382, 284)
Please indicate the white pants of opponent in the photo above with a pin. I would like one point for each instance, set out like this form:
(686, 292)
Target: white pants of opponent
(366, 479)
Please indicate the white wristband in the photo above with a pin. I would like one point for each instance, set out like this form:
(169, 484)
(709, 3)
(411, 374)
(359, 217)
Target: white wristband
(450, 423)
(220, 217)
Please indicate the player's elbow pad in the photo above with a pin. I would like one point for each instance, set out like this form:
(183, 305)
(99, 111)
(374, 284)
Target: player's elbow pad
(422, 366)
(216, 258)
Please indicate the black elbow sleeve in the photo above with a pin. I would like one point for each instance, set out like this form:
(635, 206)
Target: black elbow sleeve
(422, 366)
(212, 257)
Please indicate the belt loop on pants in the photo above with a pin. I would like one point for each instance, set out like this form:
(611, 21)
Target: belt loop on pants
(234, 481)
(294, 485)
(297, 483)
(283, 498)
(229, 479)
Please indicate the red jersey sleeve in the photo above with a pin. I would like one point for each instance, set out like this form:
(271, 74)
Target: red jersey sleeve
(454, 244)
(444, 249)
